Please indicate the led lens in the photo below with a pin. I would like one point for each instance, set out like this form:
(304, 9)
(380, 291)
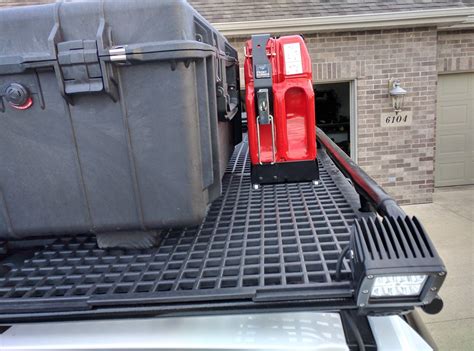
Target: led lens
(398, 285)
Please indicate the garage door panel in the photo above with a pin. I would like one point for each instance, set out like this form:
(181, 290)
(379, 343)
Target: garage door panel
(450, 173)
(454, 87)
(454, 130)
(453, 115)
(454, 143)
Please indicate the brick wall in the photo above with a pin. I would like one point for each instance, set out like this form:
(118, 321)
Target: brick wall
(456, 51)
(400, 159)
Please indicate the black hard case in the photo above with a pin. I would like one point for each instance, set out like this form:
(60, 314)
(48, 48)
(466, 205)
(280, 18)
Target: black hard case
(134, 117)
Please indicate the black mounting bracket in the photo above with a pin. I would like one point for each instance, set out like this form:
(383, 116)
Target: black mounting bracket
(262, 73)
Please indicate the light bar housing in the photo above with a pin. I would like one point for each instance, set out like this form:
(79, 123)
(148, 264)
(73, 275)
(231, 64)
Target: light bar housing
(394, 247)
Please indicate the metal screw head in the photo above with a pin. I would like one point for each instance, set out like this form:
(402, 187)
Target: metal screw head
(362, 305)
(433, 288)
(425, 302)
(370, 277)
(441, 273)
(365, 291)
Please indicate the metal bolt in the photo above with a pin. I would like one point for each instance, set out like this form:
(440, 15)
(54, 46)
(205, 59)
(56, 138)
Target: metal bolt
(365, 291)
(370, 277)
(441, 273)
(433, 288)
(425, 302)
(256, 186)
(362, 305)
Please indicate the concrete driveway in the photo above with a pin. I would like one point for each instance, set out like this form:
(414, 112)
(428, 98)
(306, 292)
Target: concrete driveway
(449, 220)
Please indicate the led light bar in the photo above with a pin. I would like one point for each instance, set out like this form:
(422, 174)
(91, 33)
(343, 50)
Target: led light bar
(398, 285)
(394, 264)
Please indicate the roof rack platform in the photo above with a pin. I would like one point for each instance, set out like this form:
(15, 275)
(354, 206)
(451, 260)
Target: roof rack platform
(274, 248)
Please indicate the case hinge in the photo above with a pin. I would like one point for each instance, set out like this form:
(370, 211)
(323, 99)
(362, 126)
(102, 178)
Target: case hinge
(117, 54)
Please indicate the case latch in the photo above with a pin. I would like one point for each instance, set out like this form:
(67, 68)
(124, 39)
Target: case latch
(80, 67)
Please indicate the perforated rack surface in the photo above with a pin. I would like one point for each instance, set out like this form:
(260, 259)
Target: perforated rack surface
(255, 247)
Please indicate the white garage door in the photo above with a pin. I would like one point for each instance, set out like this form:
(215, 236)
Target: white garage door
(454, 130)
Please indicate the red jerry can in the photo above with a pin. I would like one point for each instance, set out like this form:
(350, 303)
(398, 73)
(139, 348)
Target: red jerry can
(280, 110)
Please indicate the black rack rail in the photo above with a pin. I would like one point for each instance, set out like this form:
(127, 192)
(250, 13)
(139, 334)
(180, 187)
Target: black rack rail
(272, 248)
